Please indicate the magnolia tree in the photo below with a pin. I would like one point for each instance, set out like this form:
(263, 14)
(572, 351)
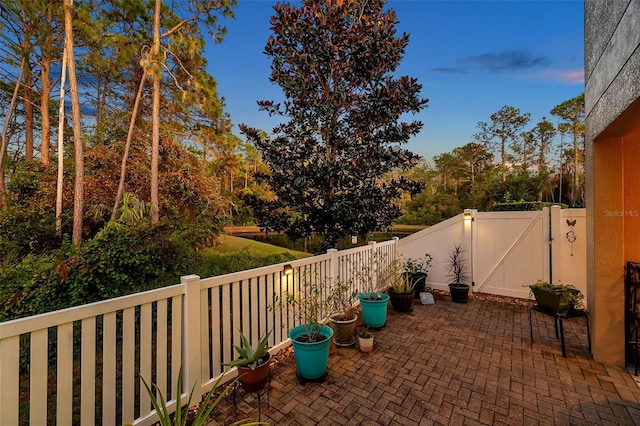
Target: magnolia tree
(342, 133)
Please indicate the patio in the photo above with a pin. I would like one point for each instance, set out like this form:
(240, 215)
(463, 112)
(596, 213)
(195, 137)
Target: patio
(454, 364)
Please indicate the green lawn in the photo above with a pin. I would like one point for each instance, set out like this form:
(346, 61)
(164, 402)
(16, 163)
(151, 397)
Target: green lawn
(232, 244)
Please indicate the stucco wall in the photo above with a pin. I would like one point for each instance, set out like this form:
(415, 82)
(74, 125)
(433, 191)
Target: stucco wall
(612, 106)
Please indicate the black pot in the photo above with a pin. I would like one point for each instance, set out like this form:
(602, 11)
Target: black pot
(459, 292)
(401, 302)
(419, 279)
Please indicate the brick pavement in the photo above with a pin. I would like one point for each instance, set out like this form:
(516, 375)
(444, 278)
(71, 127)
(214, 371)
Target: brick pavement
(454, 364)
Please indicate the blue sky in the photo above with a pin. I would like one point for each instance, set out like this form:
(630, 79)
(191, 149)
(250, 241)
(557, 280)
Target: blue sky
(471, 57)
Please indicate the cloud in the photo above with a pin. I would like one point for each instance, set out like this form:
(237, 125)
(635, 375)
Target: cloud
(507, 61)
(562, 76)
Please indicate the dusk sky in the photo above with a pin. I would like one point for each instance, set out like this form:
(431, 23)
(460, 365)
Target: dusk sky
(471, 57)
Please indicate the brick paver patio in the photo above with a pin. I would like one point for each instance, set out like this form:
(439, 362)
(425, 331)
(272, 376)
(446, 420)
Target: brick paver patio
(454, 364)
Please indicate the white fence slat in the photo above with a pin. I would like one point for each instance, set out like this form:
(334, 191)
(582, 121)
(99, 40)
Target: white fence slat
(255, 303)
(9, 380)
(176, 344)
(128, 364)
(216, 331)
(161, 346)
(109, 369)
(227, 331)
(237, 315)
(277, 329)
(38, 373)
(245, 311)
(204, 335)
(145, 357)
(64, 376)
(88, 371)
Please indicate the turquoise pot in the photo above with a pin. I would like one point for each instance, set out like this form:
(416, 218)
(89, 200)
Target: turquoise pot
(312, 358)
(374, 311)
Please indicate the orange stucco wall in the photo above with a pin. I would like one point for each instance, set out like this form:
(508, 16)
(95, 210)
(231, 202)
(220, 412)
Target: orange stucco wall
(616, 237)
(631, 147)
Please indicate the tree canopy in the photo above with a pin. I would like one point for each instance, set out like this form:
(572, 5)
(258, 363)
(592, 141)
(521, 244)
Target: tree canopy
(335, 63)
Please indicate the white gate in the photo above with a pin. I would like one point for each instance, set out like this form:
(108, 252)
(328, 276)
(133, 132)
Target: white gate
(506, 251)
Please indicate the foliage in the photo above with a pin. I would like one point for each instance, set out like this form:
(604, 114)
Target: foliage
(364, 332)
(306, 300)
(212, 263)
(523, 206)
(342, 297)
(456, 265)
(335, 63)
(503, 133)
(402, 284)
(181, 415)
(573, 296)
(418, 265)
(248, 356)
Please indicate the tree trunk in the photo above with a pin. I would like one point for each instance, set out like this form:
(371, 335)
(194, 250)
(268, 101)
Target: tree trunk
(127, 145)
(155, 135)
(44, 111)
(45, 78)
(28, 112)
(5, 139)
(78, 196)
(60, 182)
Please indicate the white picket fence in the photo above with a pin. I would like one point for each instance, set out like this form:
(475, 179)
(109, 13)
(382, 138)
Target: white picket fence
(81, 365)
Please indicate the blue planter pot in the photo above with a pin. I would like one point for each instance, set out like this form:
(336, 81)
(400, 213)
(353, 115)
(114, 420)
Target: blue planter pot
(312, 358)
(374, 312)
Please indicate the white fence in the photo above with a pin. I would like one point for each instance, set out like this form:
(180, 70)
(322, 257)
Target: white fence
(81, 365)
(506, 251)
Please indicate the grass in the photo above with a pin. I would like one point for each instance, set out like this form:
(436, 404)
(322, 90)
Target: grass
(231, 244)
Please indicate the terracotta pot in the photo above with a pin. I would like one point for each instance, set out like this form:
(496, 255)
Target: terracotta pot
(256, 379)
(343, 330)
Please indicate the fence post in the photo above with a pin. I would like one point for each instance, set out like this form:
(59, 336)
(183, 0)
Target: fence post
(467, 222)
(191, 354)
(555, 261)
(333, 264)
(373, 264)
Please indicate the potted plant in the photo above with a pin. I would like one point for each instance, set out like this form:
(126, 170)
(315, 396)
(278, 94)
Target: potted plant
(344, 312)
(401, 291)
(457, 272)
(311, 339)
(373, 303)
(182, 415)
(557, 298)
(417, 270)
(253, 363)
(365, 339)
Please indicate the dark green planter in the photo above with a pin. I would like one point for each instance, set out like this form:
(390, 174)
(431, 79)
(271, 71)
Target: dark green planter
(401, 302)
(459, 292)
(419, 280)
(552, 301)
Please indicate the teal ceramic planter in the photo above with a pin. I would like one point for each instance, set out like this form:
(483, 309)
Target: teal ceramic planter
(312, 358)
(374, 311)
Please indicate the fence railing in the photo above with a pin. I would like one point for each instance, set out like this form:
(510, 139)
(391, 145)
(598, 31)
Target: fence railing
(82, 365)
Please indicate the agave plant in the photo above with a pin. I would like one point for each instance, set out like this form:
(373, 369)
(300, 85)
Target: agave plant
(249, 357)
(181, 415)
